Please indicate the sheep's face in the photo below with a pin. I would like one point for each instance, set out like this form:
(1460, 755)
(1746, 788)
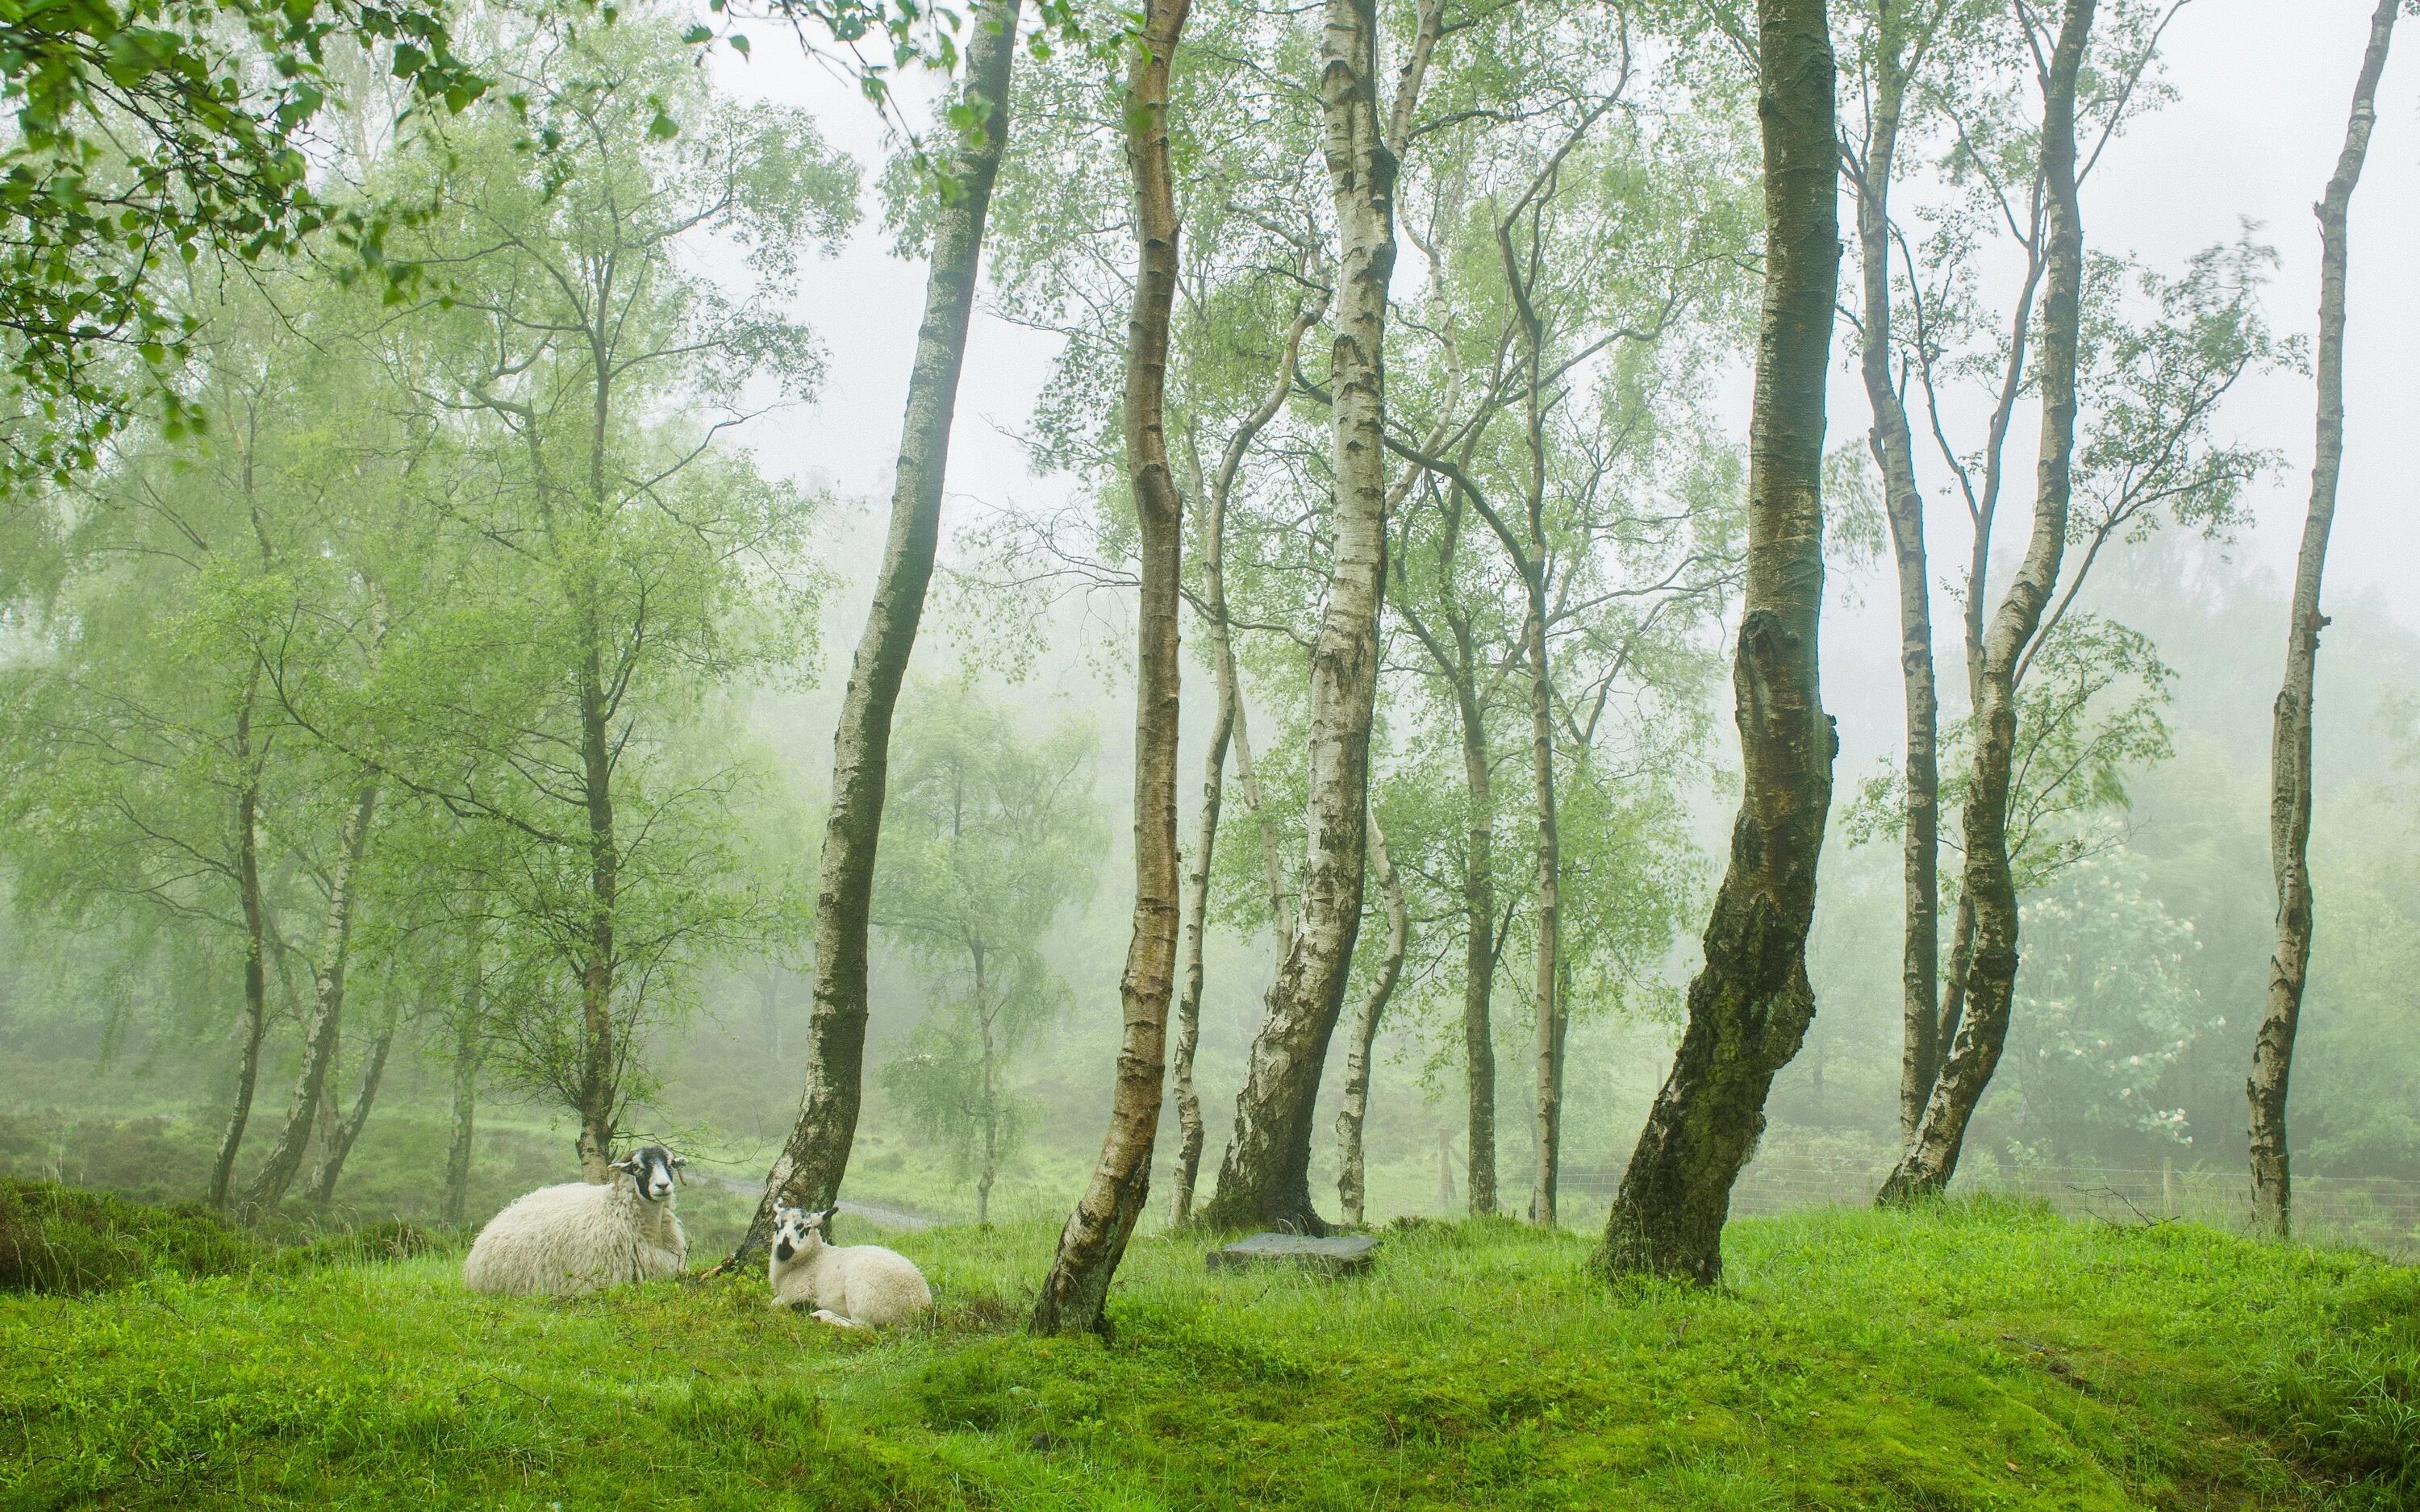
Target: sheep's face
(797, 1233)
(652, 1170)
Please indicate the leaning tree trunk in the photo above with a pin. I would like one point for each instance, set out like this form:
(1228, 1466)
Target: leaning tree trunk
(1351, 1116)
(1189, 1133)
(256, 964)
(1223, 729)
(807, 1172)
(1903, 504)
(1750, 1006)
(1264, 1180)
(340, 1139)
(1988, 886)
(1479, 947)
(2289, 750)
(328, 1012)
(1075, 1293)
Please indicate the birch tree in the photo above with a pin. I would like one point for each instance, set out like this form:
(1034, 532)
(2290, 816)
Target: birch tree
(1075, 1292)
(993, 838)
(2129, 366)
(2289, 760)
(813, 1159)
(640, 567)
(1750, 1007)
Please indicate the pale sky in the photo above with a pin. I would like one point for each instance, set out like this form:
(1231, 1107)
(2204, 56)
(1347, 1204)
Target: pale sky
(2263, 88)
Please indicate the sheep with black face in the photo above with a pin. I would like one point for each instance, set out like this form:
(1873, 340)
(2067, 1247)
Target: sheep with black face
(848, 1285)
(578, 1236)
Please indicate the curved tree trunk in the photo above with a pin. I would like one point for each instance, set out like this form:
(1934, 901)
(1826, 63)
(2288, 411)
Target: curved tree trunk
(1075, 1293)
(1223, 731)
(1989, 887)
(2289, 750)
(1350, 1118)
(338, 1142)
(1265, 1178)
(328, 1012)
(1894, 453)
(1751, 1005)
(807, 1172)
(256, 964)
(1188, 1003)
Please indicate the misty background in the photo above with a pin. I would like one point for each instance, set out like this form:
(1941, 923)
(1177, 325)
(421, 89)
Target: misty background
(2144, 970)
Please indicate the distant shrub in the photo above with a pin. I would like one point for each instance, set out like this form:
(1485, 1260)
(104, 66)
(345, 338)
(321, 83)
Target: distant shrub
(57, 1239)
(65, 1241)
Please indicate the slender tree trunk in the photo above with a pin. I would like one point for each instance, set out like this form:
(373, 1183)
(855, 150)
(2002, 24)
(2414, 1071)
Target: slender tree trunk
(1265, 1178)
(2289, 750)
(990, 1171)
(325, 1123)
(1989, 887)
(1188, 1003)
(1551, 1012)
(1479, 947)
(1222, 734)
(467, 1046)
(1751, 1005)
(328, 1011)
(1350, 1186)
(338, 1142)
(1894, 453)
(807, 1172)
(1075, 1293)
(598, 1090)
(256, 964)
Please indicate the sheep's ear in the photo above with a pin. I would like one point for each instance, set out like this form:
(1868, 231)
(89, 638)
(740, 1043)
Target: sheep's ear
(628, 1163)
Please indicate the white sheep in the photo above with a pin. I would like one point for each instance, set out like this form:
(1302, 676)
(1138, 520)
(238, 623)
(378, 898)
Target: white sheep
(848, 1285)
(577, 1236)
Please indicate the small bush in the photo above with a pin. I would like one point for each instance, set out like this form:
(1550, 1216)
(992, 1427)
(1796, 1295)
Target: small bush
(2351, 1405)
(55, 1239)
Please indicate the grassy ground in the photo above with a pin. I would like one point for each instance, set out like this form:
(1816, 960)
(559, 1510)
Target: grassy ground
(1978, 1356)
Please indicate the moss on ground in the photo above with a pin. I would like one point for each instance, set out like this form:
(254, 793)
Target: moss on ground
(1978, 1355)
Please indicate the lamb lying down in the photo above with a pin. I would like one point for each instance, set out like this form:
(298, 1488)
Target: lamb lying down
(848, 1285)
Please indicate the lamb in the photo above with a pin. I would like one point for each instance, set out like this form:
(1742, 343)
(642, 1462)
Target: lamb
(576, 1237)
(848, 1285)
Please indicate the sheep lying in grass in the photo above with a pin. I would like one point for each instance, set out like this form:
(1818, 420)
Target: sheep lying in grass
(576, 1237)
(848, 1285)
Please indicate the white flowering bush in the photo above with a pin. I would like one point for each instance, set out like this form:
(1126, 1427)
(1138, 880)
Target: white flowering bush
(2106, 1005)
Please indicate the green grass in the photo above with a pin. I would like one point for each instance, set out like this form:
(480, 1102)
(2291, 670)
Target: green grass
(70, 1242)
(1980, 1355)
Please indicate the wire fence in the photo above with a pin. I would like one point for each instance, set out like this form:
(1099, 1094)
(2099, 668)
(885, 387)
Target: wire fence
(2380, 1213)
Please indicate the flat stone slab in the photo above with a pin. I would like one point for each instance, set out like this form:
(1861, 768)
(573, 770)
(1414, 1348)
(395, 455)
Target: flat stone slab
(1343, 1255)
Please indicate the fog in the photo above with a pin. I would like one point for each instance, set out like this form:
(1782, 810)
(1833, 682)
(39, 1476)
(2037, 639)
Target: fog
(2259, 89)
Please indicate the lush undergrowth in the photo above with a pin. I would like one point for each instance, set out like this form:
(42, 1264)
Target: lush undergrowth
(1978, 1356)
(64, 1239)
